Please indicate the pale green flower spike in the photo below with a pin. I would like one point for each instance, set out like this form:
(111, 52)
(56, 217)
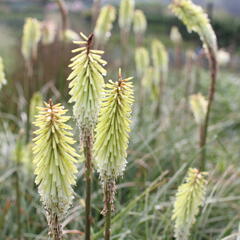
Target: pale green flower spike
(31, 38)
(195, 19)
(112, 131)
(159, 56)
(69, 35)
(175, 35)
(3, 80)
(160, 64)
(48, 33)
(86, 83)
(189, 198)
(35, 102)
(139, 22)
(54, 161)
(199, 105)
(147, 80)
(142, 60)
(126, 13)
(104, 24)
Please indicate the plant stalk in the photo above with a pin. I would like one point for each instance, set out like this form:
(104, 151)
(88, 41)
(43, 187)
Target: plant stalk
(211, 93)
(55, 227)
(18, 203)
(88, 149)
(64, 14)
(109, 195)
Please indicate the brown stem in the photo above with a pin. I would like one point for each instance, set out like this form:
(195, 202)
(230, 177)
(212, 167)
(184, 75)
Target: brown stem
(88, 145)
(204, 131)
(55, 227)
(64, 14)
(109, 196)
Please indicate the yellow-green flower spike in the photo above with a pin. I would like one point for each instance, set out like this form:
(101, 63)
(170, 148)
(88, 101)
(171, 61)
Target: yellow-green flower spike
(189, 198)
(126, 13)
(54, 160)
(30, 39)
(175, 35)
(112, 131)
(195, 19)
(104, 24)
(86, 82)
(3, 80)
(35, 102)
(147, 80)
(139, 22)
(48, 33)
(160, 65)
(69, 36)
(199, 105)
(142, 60)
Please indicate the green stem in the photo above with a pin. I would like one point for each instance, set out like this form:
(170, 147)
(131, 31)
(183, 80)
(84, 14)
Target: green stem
(18, 192)
(204, 131)
(88, 145)
(18, 203)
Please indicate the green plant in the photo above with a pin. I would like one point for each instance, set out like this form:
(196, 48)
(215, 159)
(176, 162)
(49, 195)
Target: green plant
(197, 20)
(142, 61)
(30, 39)
(126, 14)
(102, 31)
(3, 80)
(189, 198)
(112, 134)
(54, 163)
(160, 66)
(86, 88)
(139, 25)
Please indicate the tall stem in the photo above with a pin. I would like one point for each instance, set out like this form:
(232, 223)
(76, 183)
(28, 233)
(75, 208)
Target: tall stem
(17, 186)
(18, 203)
(204, 131)
(55, 227)
(88, 145)
(64, 14)
(109, 195)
